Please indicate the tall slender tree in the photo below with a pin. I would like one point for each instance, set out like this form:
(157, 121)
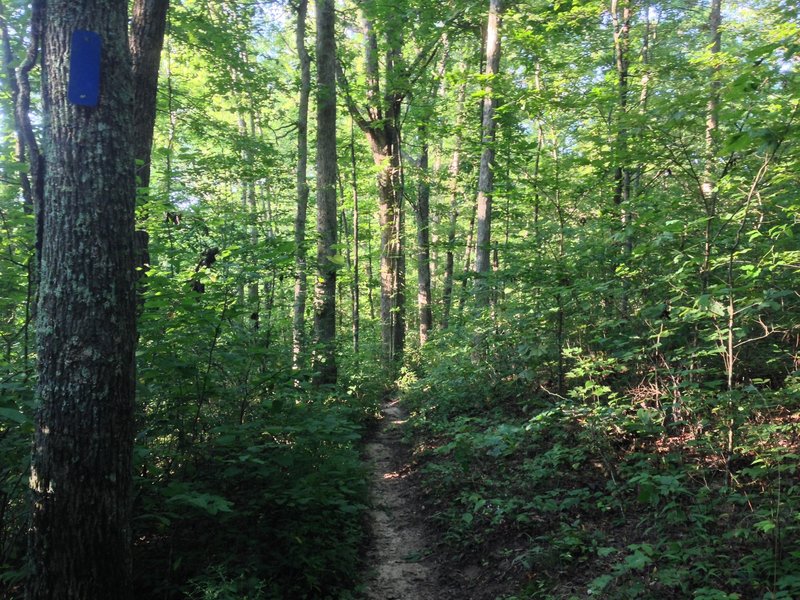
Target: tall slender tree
(301, 279)
(356, 240)
(422, 213)
(621, 19)
(81, 471)
(147, 29)
(454, 169)
(325, 292)
(486, 175)
(708, 182)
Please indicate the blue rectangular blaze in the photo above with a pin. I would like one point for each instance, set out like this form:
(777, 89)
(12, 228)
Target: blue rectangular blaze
(84, 68)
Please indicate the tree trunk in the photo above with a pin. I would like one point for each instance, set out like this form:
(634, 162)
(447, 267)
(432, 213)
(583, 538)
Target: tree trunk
(247, 129)
(19, 83)
(622, 172)
(708, 184)
(81, 467)
(368, 271)
(384, 142)
(424, 246)
(467, 257)
(148, 25)
(644, 94)
(325, 292)
(382, 129)
(356, 299)
(26, 147)
(486, 176)
(20, 121)
(301, 282)
(455, 164)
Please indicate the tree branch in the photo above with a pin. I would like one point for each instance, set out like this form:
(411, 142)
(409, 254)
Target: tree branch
(359, 119)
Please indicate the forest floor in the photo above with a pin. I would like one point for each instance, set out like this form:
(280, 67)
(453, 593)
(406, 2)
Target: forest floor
(406, 558)
(400, 558)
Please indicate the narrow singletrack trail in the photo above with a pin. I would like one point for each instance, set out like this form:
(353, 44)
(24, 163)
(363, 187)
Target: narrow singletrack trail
(398, 560)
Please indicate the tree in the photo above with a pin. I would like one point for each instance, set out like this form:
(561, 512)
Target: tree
(325, 292)
(382, 129)
(148, 25)
(301, 283)
(81, 471)
(422, 212)
(621, 20)
(708, 183)
(486, 176)
(454, 168)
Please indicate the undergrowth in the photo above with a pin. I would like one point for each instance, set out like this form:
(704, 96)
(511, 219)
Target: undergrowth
(602, 492)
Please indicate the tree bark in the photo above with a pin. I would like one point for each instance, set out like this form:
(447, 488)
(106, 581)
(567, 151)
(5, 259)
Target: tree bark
(301, 280)
(79, 542)
(325, 292)
(486, 176)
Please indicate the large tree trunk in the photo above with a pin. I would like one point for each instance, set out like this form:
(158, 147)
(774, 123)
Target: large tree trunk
(81, 469)
(300, 282)
(424, 247)
(325, 292)
(385, 153)
(486, 175)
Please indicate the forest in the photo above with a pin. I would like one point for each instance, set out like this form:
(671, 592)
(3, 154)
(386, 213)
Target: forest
(399, 299)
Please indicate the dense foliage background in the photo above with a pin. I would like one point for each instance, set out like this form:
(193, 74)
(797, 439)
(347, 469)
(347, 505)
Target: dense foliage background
(621, 421)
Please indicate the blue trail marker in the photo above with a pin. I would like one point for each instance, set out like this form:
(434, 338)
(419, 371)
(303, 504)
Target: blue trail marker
(84, 68)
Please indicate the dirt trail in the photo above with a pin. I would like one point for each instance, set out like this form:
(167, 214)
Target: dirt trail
(399, 567)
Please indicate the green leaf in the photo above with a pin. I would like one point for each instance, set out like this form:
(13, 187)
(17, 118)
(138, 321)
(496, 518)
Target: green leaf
(337, 259)
(12, 414)
(737, 142)
(598, 584)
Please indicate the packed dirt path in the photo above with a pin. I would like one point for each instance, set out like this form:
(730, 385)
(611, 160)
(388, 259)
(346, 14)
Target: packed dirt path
(399, 565)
